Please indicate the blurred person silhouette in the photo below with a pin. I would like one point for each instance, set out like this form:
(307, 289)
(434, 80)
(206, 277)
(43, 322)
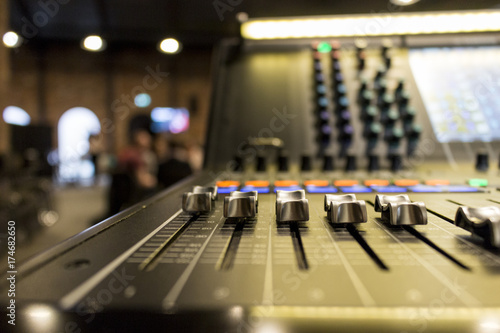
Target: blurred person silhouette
(175, 165)
(135, 177)
(195, 156)
(95, 150)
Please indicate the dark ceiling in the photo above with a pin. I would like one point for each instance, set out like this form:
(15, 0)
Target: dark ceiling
(194, 22)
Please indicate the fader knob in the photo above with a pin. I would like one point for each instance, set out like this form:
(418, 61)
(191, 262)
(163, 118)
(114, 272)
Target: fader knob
(482, 161)
(482, 221)
(291, 206)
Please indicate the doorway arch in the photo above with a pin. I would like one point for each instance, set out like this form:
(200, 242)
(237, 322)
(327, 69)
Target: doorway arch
(73, 131)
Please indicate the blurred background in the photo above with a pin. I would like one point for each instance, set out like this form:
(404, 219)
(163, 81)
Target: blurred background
(106, 102)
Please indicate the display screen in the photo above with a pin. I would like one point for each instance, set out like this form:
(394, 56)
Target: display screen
(460, 88)
(174, 120)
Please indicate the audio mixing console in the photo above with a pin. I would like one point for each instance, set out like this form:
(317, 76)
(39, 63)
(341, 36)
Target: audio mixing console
(349, 186)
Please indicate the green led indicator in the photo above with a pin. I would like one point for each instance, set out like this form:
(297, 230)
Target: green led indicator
(324, 47)
(478, 182)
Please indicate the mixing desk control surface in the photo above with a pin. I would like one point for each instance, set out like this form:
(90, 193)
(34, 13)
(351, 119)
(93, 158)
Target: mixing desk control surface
(335, 197)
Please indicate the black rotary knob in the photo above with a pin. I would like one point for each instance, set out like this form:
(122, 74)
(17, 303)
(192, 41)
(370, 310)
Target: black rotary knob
(403, 98)
(282, 161)
(369, 113)
(237, 166)
(261, 163)
(328, 163)
(365, 98)
(350, 163)
(396, 162)
(482, 161)
(373, 163)
(306, 163)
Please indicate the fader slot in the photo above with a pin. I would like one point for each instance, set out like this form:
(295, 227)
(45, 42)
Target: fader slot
(362, 242)
(298, 246)
(427, 241)
(148, 263)
(232, 246)
(441, 216)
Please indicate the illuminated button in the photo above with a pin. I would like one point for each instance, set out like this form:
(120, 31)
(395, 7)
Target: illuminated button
(426, 189)
(460, 188)
(406, 182)
(318, 182)
(286, 183)
(321, 189)
(376, 182)
(257, 183)
(478, 182)
(287, 188)
(226, 190)
(389, 189)
(228, 183)
(355, 189)
(345, 182)
(260, 190)
(437, 182)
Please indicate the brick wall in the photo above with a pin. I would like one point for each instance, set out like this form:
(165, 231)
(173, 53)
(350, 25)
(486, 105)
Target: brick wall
(50, 80)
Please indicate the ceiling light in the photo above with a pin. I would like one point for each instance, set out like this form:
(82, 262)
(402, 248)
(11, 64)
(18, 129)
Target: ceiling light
(170, 45)
(12, 39)
(93, 43)
(372, 25)
(404, 2)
